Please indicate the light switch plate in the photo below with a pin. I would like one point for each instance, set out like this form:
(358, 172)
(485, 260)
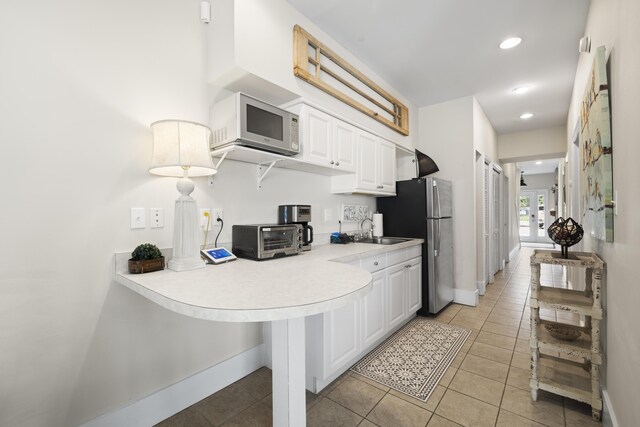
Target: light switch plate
(138, 218)
(328, 214)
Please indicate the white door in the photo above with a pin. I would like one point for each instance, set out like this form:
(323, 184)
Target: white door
(318, 141)
(414, 285)
(367, 161)
(387, 159)
(344, 148)
(495, 223)
(534, 216)
(396, 295)
(341, 337)
(373, 315)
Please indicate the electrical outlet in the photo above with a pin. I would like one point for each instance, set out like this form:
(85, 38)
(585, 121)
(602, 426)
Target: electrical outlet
(206, 219)
(138, 218)
(217, 213)
(156, 217)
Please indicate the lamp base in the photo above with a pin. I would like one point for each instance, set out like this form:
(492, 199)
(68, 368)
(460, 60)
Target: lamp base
(186, 248)
(186, 264)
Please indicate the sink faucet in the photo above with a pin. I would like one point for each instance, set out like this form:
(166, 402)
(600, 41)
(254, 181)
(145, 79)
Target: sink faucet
(370, 230)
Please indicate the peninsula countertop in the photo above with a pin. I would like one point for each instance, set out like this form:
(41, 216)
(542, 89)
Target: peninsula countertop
(252, 291)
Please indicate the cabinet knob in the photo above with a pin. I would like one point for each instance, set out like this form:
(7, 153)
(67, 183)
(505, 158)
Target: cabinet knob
(375, 263)
(337, 163)
(331, 162)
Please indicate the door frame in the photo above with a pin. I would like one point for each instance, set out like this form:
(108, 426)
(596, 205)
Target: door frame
(534, 219)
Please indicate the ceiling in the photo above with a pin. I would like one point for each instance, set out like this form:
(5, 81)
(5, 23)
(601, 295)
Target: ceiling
(437, 50)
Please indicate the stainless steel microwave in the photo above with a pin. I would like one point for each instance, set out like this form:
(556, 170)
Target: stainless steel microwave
(243, 120)
(264, 241)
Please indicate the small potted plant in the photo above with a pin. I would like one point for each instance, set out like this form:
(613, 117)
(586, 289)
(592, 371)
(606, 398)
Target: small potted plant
(146, 258)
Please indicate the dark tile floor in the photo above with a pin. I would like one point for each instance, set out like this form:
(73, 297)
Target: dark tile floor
(486, 385)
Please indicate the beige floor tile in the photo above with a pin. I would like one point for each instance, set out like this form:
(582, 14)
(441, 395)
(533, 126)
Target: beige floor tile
(466, 410)
(467, 322)
(519, 378)
(329, 413)
(438, 421)
(370, 381)
(497, 340)
(328, 389)
(474, 312)
(507, 419)
(393, 412)
(366, 423)
(431, 403)
(479, 387)
(491, 352)
(506, 312)
(258, 383)
(522, 346)
(546, 410)
(224, 404)
(448, 376)
(486, 368)
(356, 396)
(514, 307)
(187, 418)
(444, 317)
(578, 414)
(510, 331)
(503, 320)
(311, 399)
(458, 359)
(256, 415)
(521, 360)
(512, 300)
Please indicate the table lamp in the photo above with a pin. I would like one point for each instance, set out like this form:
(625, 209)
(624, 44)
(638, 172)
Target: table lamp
(181, 149)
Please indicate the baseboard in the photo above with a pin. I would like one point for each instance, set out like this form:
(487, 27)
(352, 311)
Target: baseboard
(164, 403)
(513, 252)
(482, 287)
(608, 416)
(461, 296)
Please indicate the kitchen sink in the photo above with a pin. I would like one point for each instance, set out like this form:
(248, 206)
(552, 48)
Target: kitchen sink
(383, 240)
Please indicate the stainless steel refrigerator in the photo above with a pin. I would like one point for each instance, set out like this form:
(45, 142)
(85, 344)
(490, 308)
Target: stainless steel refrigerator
(422, 209)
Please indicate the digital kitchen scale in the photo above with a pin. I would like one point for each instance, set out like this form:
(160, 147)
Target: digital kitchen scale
(217, 255)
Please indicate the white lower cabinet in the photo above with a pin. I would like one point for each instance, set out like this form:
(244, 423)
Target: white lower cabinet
(373, 311)
(337, 339)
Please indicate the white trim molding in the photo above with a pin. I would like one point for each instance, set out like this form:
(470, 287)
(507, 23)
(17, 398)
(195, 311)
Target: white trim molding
(513, 253)
(482, 287)
(465, 297)
(164, 403)
(608, 416)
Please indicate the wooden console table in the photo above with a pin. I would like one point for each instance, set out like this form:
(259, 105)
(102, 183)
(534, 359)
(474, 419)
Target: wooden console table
(567, 368)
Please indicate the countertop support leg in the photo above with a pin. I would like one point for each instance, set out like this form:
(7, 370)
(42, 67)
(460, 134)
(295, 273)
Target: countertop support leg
(289, 396)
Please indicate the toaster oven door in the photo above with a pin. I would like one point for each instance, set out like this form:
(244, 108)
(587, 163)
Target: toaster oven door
(279, 241)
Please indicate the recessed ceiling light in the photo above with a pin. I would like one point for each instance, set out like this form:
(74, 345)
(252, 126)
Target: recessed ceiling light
(526, 116)
(510, 42)
(521, 89)
(539, 162)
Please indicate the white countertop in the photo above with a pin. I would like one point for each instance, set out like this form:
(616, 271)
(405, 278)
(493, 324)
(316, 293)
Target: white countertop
(254, 291)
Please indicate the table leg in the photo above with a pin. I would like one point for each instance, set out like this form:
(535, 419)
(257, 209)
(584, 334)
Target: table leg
(289, 397)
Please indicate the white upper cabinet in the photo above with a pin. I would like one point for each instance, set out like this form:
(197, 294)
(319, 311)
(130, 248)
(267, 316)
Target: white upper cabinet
(387, 167)
(367, 164)
(327, 141)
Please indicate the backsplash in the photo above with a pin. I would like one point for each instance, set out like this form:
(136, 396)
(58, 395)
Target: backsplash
(354, 213)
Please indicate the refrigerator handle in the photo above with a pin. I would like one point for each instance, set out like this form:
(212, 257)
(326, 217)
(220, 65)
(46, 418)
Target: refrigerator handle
(436, 238)
(437, 191)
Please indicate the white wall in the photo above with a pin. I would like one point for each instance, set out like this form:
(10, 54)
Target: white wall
(80, 84)
(545, 143)
(614, 24)
(541, 181)
(446, 134)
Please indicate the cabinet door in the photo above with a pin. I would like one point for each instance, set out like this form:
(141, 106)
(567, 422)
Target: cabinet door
(387, 168)
(318, 141)
(414, 285)
(344, 147)
(367, 161)
(373, 312)
(340, 337)
(396, 295)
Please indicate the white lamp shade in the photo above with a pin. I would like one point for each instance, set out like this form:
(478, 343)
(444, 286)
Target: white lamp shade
(179, 144)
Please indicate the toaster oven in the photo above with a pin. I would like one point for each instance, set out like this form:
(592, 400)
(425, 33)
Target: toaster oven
(266, 241)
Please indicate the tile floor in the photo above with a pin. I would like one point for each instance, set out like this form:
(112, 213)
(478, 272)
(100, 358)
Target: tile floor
(486, 385)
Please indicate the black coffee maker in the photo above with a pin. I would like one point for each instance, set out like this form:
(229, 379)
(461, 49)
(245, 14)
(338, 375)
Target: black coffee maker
(298, 214)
